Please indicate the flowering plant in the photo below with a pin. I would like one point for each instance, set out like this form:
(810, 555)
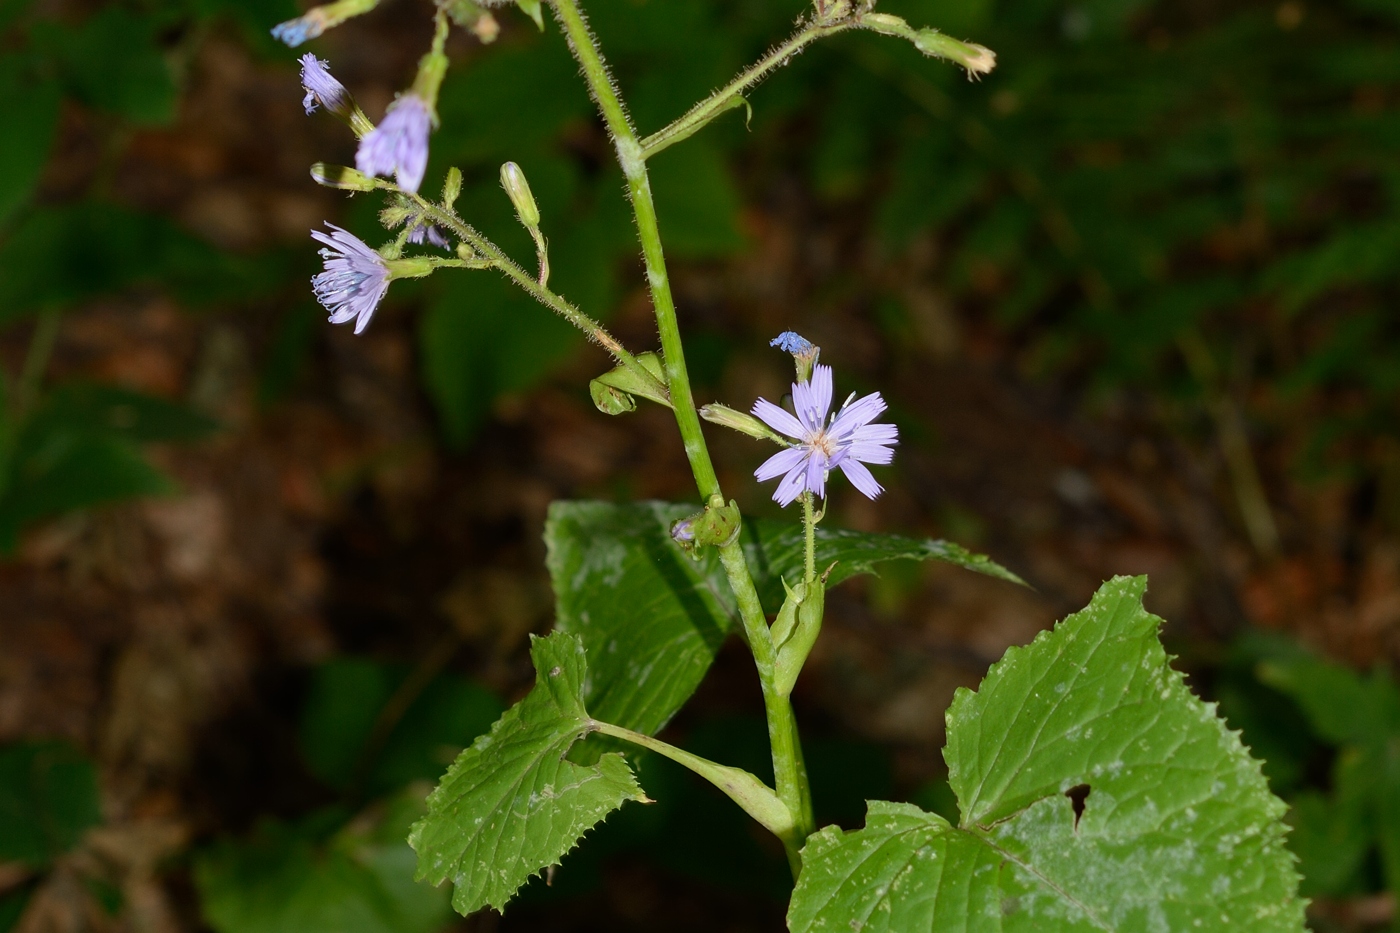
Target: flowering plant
(1095, 791)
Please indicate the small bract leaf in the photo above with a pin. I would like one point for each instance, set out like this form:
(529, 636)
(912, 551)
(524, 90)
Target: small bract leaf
(512, 805)
(1096, 793)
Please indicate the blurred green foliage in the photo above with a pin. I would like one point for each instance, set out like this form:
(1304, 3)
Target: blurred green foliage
(80, 446)
(1333, 740)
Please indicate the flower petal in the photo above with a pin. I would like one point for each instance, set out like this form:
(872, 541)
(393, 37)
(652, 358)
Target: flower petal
(812, 400)
(791, 486)
(871, 453)
(861, 478)
(858, 414)
(778, 420)
(816, 475)
(780, 463)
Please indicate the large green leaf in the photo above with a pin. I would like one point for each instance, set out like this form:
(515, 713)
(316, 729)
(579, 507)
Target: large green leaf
(1096, 793)
(286, 879)
(652, 618)
(512, 804)
(48, 799)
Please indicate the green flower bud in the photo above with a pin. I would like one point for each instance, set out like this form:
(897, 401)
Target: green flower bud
(396, 215)
(977, 59)
(518, 189)
(451, 187)
(342, 177)
(725, 416)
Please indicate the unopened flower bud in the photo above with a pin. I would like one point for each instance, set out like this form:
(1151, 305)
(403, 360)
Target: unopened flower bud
(977, 59)
(725, 416)
(342, 177)
(451, 187)
(465, 252)
(518, 189)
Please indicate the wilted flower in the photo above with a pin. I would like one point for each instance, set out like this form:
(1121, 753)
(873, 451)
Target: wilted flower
(399, 145)
(430, 233)
(790, 341)
(355, 279)
(296, 31)
(323, 89)
(849, 441)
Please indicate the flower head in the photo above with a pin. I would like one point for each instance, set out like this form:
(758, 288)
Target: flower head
(430, 233)
(355, 279)
(323, 89)
(848, 440)
(399, 145)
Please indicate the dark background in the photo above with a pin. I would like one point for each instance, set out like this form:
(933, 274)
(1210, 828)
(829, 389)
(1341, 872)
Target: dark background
(1131, 298)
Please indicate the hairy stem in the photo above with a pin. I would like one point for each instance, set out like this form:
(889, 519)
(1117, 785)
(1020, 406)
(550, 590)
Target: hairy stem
(731, 95)
(809, 523)
(497, 258)
(782, 731)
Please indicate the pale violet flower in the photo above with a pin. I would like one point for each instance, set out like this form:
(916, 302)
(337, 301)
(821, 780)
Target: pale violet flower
(399, 145)
(355, 279)
(846, 441)
(323, 89)
(428, 232)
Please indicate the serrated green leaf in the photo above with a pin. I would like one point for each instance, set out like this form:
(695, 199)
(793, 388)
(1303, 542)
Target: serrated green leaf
(653, 618)
(1177, 831)
(776, 549)
(512, 804)
(48, 799)
(288, 879)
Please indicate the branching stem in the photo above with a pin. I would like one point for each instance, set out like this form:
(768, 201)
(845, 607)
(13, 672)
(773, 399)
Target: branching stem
(731, 95)
(788, 767)
(496, 258)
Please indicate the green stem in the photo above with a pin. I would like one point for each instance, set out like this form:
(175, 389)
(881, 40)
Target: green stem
(752, 795)
(788, 768)
(809, 523)
(731, 95)
(497, 258)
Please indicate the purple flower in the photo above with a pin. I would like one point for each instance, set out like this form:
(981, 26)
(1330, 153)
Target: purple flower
(355, 279)
(323, 89)
(849, 441)
(429, 232)
(399, 145)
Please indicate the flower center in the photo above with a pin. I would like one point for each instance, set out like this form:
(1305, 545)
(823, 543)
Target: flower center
(823, 443)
